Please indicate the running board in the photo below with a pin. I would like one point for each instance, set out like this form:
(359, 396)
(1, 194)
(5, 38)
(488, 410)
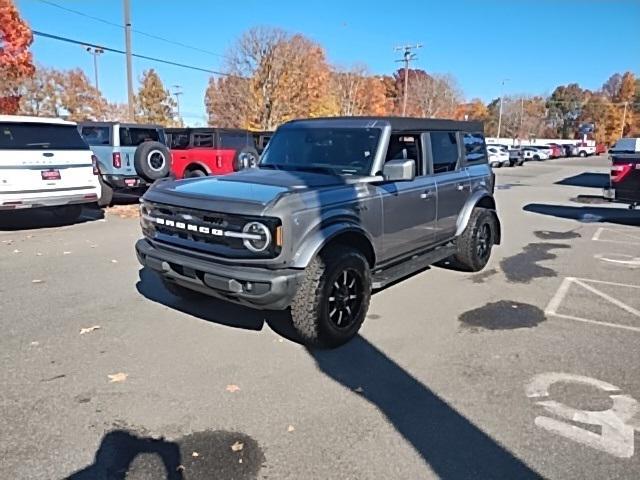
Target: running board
(383, 277)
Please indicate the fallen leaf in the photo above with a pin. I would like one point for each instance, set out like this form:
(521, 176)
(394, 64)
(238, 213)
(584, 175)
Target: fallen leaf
(93, 246)
(180, 468)
(17, 251)
(34, 344)
(89, 329)
(29, 236)
(37, 281)
(358, 390)
(66, 253)
(114, 261)
(117, 377)
(280, 340)
(39, 254)
(195, 454)
(236, 447)
(239, 460)
(290, 428)
(232, 388)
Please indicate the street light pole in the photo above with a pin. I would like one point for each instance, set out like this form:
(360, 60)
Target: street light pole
(500, 112)
(95, 51)
(624, 120)
(127, 42)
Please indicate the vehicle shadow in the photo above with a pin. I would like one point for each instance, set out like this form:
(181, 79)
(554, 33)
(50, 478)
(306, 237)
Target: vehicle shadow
(587, 214)
(216, 311)
(586, 179)
(118, 450)
(36, 218)
(447, 441)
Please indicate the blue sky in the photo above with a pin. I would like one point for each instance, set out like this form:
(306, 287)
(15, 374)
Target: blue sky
(537, 45)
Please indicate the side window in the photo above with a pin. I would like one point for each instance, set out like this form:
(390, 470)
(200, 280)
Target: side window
(405, 146)
(235, 141)
(444, 150)
(203, 140)
(474, 148)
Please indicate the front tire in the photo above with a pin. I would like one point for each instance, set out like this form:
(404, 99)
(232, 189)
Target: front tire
(477, 240)
(333, 298)
(583, 154)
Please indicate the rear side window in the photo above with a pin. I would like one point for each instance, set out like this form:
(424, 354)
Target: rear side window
(96, 135)
(178, 140)
(235, 141)
(204, 140)
(34, 136)
(444, 151)
(134, 136)
(474, 148)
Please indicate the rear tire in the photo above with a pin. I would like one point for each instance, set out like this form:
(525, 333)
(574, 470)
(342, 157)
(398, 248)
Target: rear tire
(106, 196)
(333, 298)
(475, 244)
(195, 173)
(536, 158)
(583, 154)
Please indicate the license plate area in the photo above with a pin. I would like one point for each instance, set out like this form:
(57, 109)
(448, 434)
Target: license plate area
(131, 182)
(50, 174)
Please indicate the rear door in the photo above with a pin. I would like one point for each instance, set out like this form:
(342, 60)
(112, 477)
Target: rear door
(452, 180)
(37, 159)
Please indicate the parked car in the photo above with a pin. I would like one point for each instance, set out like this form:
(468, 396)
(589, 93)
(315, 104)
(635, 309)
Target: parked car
(556, 150)
(516, 156)
(585, 150)
(130, 156)
(570, 150)
(600, 148)
(498, 157)
(546, 149)
(198, 152)
(45, 163)
(336, 208)
(535, 153)
(624, 186)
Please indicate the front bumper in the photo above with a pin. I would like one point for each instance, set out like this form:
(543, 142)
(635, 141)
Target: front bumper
(259, 288)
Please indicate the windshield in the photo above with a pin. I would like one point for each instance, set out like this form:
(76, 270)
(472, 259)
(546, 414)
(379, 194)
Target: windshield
(338, 151)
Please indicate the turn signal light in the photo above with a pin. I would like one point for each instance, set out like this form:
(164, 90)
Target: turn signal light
(117, 160)
(94, 163)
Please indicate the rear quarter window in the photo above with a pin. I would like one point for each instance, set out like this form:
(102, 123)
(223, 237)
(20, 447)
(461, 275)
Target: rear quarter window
(95, 136)
(134, 136)
(235, 141)
(474, 148)
(34, 136)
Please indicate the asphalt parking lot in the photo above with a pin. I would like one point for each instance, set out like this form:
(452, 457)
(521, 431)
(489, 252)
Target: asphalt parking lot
(526, 370)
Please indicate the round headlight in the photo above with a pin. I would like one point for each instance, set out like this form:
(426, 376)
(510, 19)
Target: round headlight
(258, 236)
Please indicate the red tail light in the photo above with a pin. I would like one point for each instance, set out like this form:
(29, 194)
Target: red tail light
(619, 171)
(94, 163)
(117, 160)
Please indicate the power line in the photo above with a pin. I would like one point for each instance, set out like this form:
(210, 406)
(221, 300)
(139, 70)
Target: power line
(139, 32)
(137, 55)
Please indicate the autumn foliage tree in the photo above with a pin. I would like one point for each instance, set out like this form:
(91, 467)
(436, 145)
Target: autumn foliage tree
(16, 63)
(153, 102)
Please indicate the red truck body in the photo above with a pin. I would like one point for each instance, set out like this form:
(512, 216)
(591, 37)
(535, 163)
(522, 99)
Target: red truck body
(198, 152)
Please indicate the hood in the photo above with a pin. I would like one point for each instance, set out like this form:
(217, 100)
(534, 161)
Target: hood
(255, 188)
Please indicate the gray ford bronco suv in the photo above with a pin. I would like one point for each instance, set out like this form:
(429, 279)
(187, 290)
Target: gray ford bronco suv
(337, 207)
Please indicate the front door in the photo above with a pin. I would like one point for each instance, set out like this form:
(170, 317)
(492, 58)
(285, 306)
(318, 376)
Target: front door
(452, 181)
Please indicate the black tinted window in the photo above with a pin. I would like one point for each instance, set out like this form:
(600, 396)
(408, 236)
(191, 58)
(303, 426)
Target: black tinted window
(235, 141)
(96, 135)
(444, 149)
(474, 148)
(26, 136)
(178, 140)
(204, 140)
(405, 147)
(134, 136)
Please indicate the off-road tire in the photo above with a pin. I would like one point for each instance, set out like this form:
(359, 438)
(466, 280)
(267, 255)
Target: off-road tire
(106, 196)
(310, 309)
(152, 161)
(582, 154)
(467, 257)
(536, 158)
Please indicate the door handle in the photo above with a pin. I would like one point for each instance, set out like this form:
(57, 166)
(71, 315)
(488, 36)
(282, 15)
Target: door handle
(426, 195)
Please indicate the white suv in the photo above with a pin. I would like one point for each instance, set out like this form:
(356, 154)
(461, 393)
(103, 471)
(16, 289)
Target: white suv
(44, 162)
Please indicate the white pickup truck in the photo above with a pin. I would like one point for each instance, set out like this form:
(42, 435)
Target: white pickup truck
(45, 163)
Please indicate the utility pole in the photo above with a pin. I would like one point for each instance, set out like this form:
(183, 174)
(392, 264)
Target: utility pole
(127, 43)
(95, 51)
(500, 113)
(176, 93)
(624, 120)
(521, 117)
(407, 57)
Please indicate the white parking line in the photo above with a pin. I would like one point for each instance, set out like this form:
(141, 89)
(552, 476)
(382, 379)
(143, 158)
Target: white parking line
(618, 231)
(623, 260)
(556, 301)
